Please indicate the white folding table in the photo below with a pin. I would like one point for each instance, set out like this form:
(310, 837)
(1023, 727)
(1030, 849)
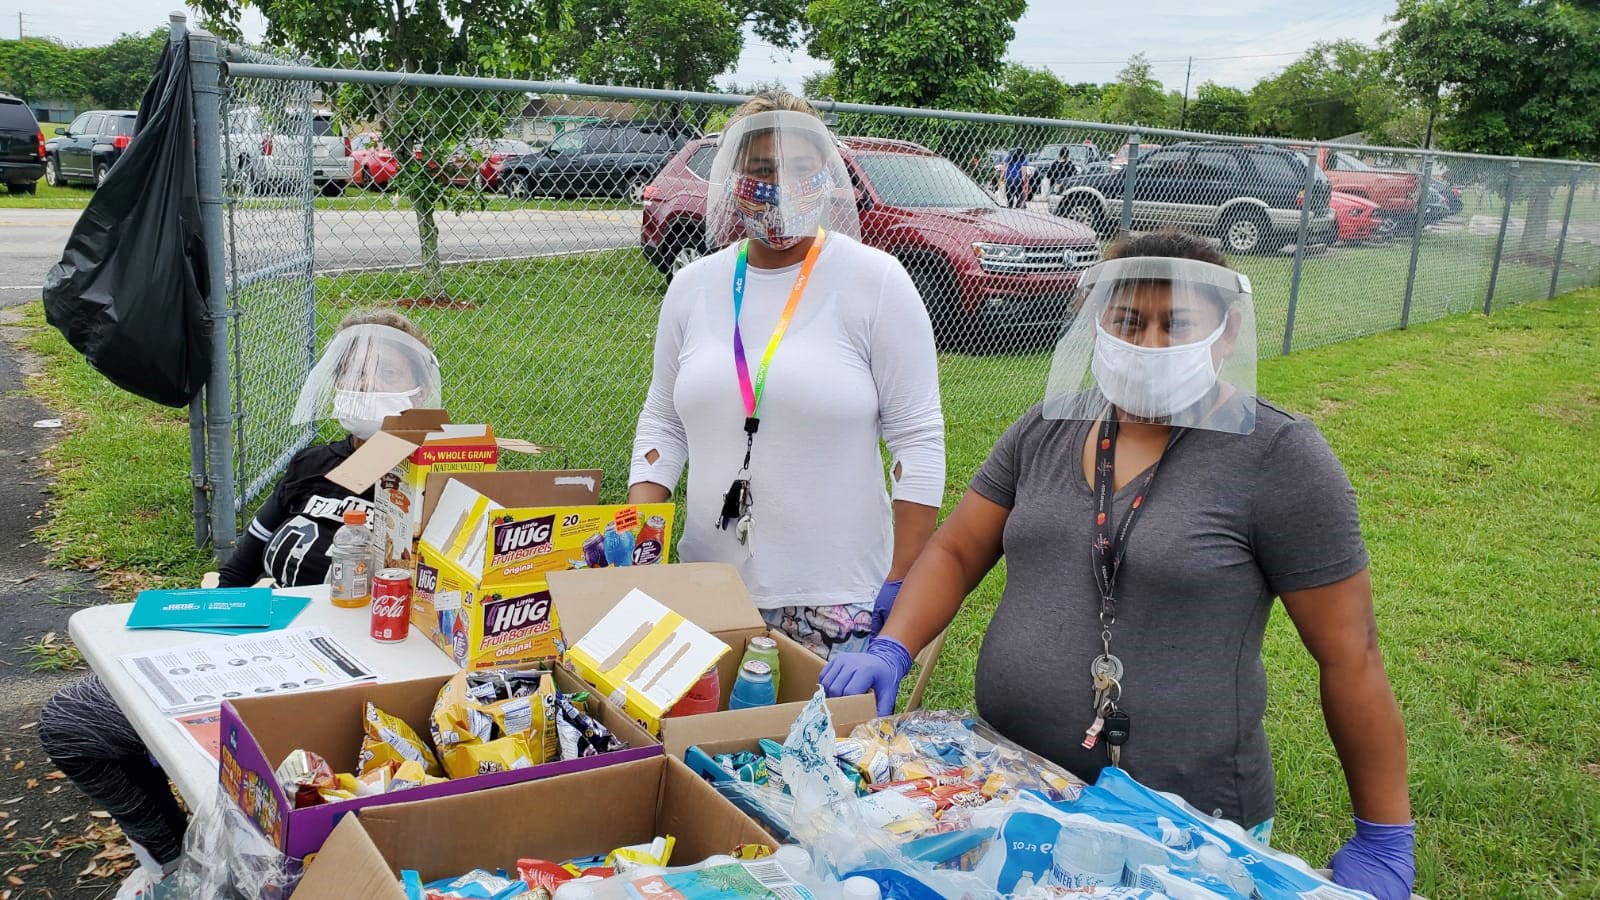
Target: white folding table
(102, 635)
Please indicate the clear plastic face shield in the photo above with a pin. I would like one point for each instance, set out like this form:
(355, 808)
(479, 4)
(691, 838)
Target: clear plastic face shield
(777, 178)
(1168, 341)
(366, 374)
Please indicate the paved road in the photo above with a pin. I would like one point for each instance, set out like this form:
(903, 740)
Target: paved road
(31, 241)
(345, 239)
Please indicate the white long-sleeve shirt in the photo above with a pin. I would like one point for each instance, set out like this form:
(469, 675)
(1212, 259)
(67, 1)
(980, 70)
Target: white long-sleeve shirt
(857, 364)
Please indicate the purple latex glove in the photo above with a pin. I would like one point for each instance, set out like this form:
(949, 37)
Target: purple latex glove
(879, 669)
(884, 603)
(1379, 859)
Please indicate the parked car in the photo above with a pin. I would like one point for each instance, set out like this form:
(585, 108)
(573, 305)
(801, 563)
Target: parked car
(268, 150)
(22, 153)
(1120, 158)
(983, 270)
(1247, 195)
(491, 156)
(1394, 190)
(1088, 158)
(372, 165)
(86, 150)
(1356, 217)
(615, 160)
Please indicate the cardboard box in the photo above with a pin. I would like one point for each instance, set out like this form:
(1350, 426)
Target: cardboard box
(258, 732)
(399, 458)
(700, 759)
(712, 596)
(488, 541)
(586, 814)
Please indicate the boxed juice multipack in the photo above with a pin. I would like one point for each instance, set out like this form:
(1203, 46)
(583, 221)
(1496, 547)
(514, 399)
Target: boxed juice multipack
(490, 539)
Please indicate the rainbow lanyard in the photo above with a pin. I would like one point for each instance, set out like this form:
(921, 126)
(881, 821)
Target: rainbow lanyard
(752, 391)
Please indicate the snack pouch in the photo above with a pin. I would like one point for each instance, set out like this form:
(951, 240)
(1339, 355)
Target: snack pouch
(580, 734)
(513, 711)
(390, 742)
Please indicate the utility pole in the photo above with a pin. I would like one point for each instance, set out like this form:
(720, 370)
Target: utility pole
(19, 24)
(1183, 113)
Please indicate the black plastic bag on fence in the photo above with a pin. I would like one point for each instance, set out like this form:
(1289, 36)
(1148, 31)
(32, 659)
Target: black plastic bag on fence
(130, 290)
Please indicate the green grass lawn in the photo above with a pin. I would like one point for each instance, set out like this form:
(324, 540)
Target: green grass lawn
(73, 196)
(1470, 442)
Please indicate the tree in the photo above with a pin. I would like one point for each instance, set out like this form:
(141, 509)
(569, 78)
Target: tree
(1221, 109)
(1515, 79)
(41, 69)
(1082, 101)
(918, 53)
(1026, 91)
(1335, 89)
(422, 126)
(820, 84)
(1136, 97)
(649, 43)
(119, 71)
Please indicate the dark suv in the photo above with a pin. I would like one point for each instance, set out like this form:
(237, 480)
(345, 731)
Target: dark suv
(613, 160)
(984, 271)
(87, 149)
(1249, 196)
(21, 146)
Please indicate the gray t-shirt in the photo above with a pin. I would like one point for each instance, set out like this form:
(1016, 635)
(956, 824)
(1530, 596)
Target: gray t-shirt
(1231, 522)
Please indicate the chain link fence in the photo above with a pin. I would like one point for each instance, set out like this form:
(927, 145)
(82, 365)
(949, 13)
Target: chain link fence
(531, 229)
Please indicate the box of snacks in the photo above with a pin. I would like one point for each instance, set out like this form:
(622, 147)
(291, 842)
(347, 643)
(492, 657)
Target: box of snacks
(597, 824)
(296, 763)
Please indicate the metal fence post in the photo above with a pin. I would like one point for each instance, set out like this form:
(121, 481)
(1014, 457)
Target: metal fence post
(1417, 220)
(205, 68)
(1500, 244)
(1300, 247)
(1566, 221)
(1129, 178)
(200, 486)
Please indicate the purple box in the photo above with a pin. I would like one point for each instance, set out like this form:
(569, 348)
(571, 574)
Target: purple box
(259, 732)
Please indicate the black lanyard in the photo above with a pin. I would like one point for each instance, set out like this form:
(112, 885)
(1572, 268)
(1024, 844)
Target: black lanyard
(1109, 548)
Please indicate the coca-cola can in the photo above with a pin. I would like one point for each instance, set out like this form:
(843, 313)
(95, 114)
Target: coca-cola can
(391, 605)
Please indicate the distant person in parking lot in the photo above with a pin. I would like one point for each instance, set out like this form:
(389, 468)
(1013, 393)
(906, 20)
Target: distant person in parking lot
(1060, 170)
(1017, 178)
(787, 480)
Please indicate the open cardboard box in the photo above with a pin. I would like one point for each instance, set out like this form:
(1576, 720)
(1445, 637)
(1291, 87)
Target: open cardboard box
(258, 732)
(490, 538)
(585, 814)
(498, 623)
(400, 457)
(701, 760)
(712, 596)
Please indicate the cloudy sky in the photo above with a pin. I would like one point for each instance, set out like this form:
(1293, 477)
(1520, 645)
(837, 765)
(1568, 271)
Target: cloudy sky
(1235, 42)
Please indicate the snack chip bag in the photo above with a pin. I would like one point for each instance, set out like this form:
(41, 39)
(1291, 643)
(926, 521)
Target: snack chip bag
(580, 734)
(390, 742)
(498, 755)
(512, 714)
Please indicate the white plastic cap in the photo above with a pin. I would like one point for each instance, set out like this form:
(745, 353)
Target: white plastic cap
(858, 888)
(794, 859)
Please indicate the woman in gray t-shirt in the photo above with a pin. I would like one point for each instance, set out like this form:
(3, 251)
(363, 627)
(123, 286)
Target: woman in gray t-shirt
(1196, 530)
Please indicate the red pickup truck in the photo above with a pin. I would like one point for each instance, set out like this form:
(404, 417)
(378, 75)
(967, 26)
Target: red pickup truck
(1394, 190)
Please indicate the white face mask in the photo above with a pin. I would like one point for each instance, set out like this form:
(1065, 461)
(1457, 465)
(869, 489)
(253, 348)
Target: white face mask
(362, 412)
(1153, 382)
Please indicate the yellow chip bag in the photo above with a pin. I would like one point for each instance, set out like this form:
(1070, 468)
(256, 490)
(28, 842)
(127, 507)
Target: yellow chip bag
(389, 742)
(499, 755)
(479, 708)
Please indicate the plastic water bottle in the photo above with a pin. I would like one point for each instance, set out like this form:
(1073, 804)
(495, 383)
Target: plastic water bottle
(1087, 857)
(350, 562)
(857, 888)
(1218, 864)
(1141, 854)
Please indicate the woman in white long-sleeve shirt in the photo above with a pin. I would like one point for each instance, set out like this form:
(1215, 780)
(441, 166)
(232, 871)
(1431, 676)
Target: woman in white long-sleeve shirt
(790, 451)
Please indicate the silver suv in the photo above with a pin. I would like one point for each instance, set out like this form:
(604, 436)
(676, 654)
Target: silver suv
(268, 152)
